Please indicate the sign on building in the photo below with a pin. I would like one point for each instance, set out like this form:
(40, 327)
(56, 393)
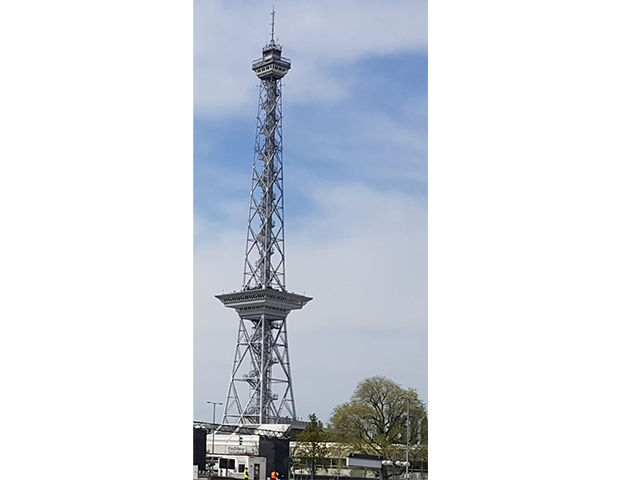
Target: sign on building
(242, 450)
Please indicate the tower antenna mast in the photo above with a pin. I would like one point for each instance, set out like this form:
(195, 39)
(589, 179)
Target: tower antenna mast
(273, 20)
(261, 364)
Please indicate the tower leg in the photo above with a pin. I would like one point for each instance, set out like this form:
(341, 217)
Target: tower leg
(261, 362)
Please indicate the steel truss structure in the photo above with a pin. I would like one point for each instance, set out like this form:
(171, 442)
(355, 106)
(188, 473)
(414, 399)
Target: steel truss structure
(264, 256)
(261, 365)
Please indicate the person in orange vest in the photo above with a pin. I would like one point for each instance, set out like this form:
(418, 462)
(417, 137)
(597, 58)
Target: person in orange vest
(274, 475)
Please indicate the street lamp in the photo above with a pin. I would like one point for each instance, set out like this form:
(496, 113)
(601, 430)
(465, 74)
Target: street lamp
(213, 431)
(393, 463)
(388, 463)
(407, 454)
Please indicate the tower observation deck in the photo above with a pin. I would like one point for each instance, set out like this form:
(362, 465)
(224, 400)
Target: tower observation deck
(261, 384)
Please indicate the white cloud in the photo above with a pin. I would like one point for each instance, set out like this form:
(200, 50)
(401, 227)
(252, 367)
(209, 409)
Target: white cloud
(362, 244)
(317, 36)
(366, 250)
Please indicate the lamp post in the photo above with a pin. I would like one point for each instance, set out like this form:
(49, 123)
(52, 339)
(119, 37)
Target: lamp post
(407, 457)
(404, 464)
(213, 431)
(388, 463)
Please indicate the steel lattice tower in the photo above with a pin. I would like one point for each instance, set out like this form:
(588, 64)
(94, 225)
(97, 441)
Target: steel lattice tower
(261, 362)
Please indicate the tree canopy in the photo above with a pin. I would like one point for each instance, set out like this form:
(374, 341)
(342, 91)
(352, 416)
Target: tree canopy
(374, 421)
(311, 449)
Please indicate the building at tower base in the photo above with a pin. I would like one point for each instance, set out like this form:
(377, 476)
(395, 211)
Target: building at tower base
(272, 446)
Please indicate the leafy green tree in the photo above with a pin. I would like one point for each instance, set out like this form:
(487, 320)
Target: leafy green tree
(374, 421)
(417, 455)
(311, 449)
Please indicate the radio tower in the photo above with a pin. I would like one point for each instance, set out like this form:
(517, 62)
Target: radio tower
(261, 384)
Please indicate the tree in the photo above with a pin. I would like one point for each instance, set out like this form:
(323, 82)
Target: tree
(311, 448)
(374, 421)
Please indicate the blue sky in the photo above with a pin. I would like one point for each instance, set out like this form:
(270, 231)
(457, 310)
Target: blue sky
(355, 173)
